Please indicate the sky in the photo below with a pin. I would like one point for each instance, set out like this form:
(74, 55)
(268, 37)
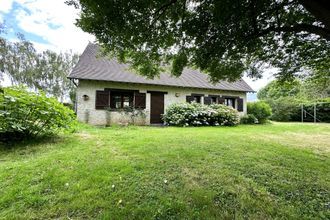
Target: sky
(49, 24)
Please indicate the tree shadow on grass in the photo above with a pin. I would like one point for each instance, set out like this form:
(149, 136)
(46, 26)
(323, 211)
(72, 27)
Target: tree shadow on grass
(29, 145)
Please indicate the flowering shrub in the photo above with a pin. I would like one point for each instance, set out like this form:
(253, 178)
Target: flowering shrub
(194, 114)
(25, 114)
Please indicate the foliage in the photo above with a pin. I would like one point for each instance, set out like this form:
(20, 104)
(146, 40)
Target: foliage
(276, 89)
(195, 114)
(222, 38)
(46, 71)
(273, 171)
(25, 114)
(286, 98)
(249, 119)
(317, 86)
(305, 89)
(322, 112)
(261, 110)
(285, 109)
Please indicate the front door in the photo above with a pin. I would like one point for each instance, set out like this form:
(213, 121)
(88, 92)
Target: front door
(156, 107)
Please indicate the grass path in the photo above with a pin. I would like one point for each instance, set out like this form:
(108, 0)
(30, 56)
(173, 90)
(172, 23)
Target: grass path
(280, 170)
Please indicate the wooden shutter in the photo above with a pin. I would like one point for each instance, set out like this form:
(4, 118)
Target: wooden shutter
(207, 100)
(102, 99)
(189, 99)
(221, 100)
(139, 100)
(240, 104)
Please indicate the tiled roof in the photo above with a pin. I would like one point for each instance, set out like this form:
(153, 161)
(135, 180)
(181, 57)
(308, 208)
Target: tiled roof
(92, 66)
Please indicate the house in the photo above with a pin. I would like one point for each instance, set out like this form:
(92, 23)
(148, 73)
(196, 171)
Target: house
(105, 87)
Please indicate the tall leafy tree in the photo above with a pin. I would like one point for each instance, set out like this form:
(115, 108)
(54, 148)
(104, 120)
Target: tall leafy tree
(223, 38)
(308, 89)
(45, 71)
(277, 89)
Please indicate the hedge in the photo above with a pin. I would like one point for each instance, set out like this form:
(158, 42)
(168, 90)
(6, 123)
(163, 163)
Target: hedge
(25, 114)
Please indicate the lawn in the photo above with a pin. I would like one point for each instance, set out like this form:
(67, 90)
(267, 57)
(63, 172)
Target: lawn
(279, 170)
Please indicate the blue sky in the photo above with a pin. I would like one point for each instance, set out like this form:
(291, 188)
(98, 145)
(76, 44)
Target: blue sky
(12, 23)
(49, 24)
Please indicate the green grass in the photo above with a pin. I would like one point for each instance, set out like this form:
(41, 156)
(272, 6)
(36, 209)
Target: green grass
(279, 170)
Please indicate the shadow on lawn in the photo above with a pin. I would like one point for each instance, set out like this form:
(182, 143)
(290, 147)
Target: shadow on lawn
(17, 144)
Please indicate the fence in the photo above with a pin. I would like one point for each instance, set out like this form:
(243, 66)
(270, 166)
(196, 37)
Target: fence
(316, 112)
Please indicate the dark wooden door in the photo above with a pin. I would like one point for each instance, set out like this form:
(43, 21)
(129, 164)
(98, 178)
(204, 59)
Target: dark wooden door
(157, 107)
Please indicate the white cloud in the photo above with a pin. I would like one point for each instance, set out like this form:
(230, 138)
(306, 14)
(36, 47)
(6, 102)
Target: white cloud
(52, 20)
(6, 5)
(42, 47)
(267, 76)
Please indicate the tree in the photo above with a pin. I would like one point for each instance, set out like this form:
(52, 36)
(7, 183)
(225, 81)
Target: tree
(45, 71)
(285, 98)
(317, 86)
(307, 89)
(277, 89)
(223, 38)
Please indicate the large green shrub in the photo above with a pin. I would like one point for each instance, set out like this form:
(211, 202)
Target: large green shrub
(194, 114)
(285, 109)
(25, 114)
(289, 109)
(261, 110)
(249, 119)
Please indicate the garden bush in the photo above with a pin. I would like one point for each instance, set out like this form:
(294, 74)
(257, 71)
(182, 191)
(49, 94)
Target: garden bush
(25, 114)
(289, 109)
(285, 109)
(249, 119)
(261, 110)
(194, 114)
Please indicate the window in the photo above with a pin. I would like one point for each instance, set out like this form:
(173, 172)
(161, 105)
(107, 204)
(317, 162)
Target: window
(197, 99)
(214, 100)
(230, 102)
(210, 99)
(194, 98)
(118, 99)
(121, 99)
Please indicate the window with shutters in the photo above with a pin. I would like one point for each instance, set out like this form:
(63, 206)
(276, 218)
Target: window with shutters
(115, 99)
(193, 98)
(230, 102)
(121, 99)
(211, 99)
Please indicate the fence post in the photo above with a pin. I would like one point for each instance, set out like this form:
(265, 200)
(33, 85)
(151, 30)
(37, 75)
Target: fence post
(302, 112)
(314, 112)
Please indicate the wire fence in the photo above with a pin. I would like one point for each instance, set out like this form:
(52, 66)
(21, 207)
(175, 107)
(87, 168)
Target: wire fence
(315, 112)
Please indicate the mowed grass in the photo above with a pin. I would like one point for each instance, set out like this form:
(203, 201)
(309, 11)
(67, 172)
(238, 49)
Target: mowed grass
(278, 170)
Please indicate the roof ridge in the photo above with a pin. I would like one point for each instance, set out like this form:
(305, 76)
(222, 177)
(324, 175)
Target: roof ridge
(90, 67)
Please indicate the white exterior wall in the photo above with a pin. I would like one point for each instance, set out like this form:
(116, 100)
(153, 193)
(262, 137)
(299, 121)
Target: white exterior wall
(86, 111)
